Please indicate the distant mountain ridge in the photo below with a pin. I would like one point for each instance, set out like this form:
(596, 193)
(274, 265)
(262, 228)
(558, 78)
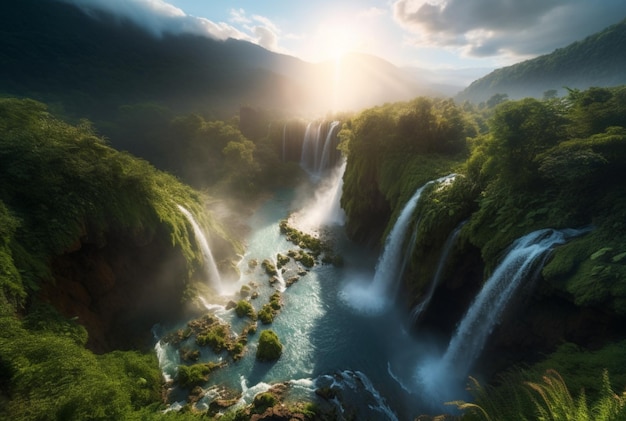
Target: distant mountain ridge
(54, 52)
(598, 60)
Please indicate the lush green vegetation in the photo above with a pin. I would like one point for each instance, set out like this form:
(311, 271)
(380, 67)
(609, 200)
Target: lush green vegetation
(548, 399)
(60, 184)
(47, 374)
(244, 308)
(269, 348)
(392, 150)
(594, 61)
(270, 310)
(194, 375)
(522, 165)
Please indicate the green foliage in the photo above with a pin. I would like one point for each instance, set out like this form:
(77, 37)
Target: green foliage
(269, 348)
(45, 318)
(266, 314)
(547, 400)
(50, 376)
(138, 375)
(262, 401)
(573, 65)
(216, 337)
(275, 299)
(269, 267)
(194, 375)
(592, 269)
(281, 260)
(244, 308)
(11, 283)
(302, 239)
(270, 310)
(385, 147)
(62, 182)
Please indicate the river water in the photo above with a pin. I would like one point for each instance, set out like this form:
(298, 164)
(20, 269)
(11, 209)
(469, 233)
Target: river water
(369, 358)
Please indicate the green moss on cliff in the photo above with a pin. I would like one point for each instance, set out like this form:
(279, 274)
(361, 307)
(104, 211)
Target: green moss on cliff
(63, 190)
(592, 270)
(63, 182)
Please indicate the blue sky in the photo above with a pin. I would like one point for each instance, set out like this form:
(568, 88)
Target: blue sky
(435, 34)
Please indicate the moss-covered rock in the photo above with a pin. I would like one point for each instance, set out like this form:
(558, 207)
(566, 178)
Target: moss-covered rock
(194, 375)
(269, 347)
(245, 309)
(269, 267)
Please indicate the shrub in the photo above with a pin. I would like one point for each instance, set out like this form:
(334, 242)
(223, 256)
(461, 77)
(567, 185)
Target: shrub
(244, 308)
(262, 401)
(194, 375)
(270, 348)
(266, 314)
(216, 338)
(269, 267)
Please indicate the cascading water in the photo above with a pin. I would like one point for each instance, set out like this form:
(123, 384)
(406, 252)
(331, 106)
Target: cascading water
(309, 146)
(324, 161)
(325, 209)
(376, 297)
(419, 309)
(524, 260)
(317, 147)
(215, 279)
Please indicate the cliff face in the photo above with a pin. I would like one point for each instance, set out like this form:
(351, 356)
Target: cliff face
(536, 165)
(118, 290)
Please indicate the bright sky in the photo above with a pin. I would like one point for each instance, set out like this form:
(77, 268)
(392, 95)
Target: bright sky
(432, 34)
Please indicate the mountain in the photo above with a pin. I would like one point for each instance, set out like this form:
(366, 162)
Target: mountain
(598, 60)
(92, 63)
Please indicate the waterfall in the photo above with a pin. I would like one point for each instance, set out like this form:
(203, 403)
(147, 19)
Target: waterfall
(381, 292)
(325, 161)
(523, 260)
(318, 147)
(209, 262)
(309, 146)
(169, 360)
(336, 214)
(325, 207)
(387, 267)
(419, 309)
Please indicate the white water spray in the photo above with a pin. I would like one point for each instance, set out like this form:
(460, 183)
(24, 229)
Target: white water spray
(325, 208)
(215, 279)
(169, 360)
(378, 295)
(317, 148)
(524, 259)
(324, 161)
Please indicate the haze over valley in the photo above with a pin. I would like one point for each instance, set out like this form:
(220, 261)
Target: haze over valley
(353, 210)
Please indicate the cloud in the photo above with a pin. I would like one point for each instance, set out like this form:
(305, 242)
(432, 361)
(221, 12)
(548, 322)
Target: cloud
(159, 17)
(266, 34)
(372, 12)
(266, 38)
(515, 28)
(238, 16)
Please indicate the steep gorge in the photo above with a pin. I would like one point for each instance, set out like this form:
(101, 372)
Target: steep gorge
(120, 289)
(514, 178)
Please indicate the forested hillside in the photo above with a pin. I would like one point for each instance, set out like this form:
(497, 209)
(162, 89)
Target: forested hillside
(93, 252)
(598, 60)
(521, 166)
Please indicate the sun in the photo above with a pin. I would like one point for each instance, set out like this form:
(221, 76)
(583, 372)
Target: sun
(333, 41)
